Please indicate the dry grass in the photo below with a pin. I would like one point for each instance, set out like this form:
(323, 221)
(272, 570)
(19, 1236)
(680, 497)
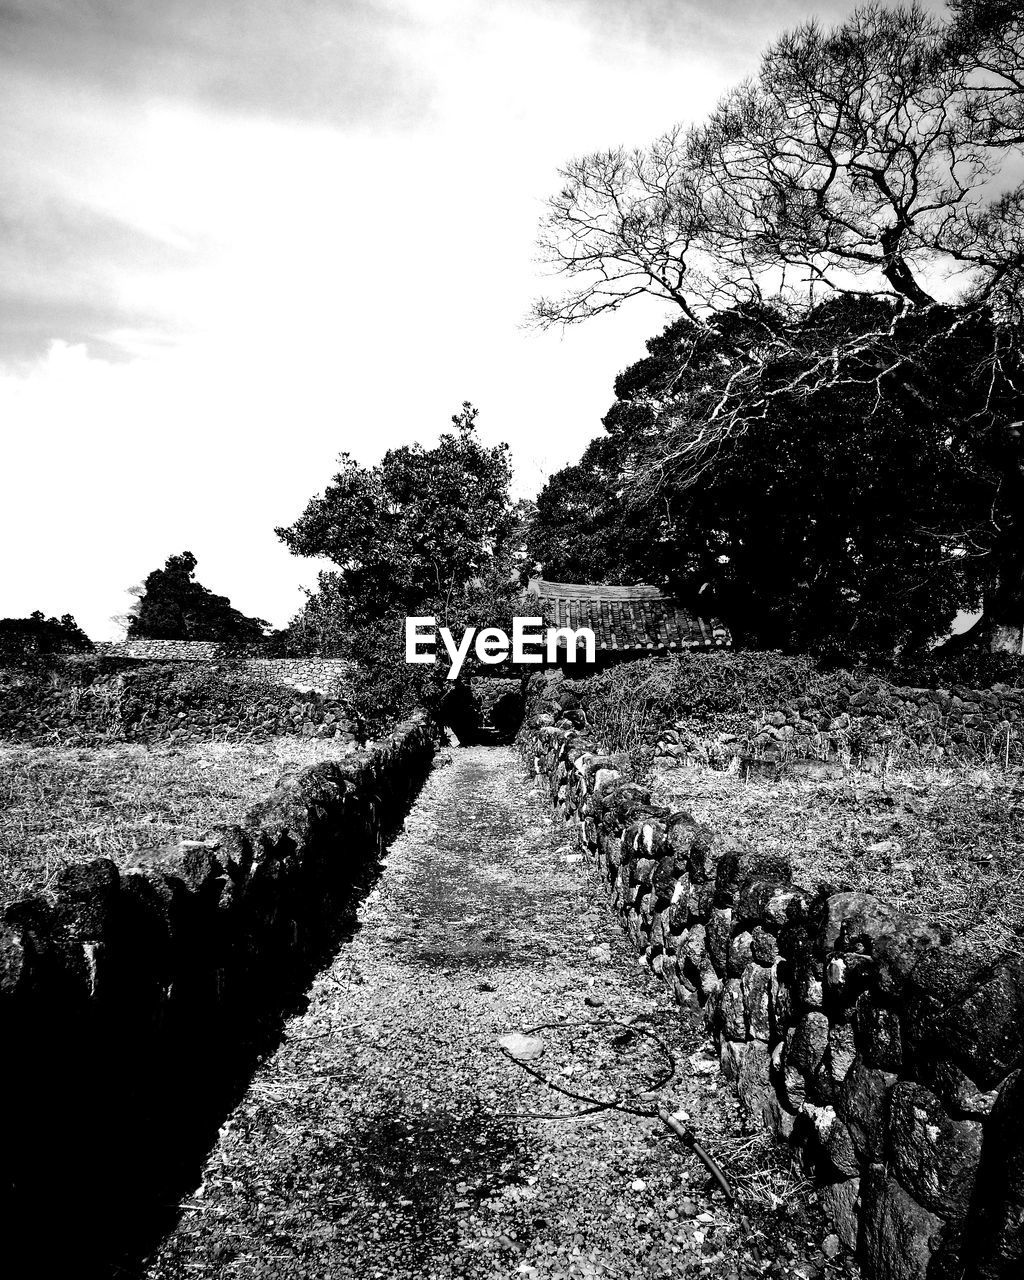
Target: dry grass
(947, 844)
(60, 805)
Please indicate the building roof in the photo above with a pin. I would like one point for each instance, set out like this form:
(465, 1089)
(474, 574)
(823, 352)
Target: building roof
(628, 618)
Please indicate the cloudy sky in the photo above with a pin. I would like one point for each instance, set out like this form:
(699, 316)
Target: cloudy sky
(240, 236)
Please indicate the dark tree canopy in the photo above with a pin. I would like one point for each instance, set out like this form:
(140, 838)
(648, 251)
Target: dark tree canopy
(866, 513)
(844, 239)
(39, 636)
(425, 532)
(173, 606)
(418, 526)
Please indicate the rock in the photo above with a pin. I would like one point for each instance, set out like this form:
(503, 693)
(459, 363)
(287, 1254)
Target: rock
(731, 1054)
(780, 1000)
(523, 1048)
(854, 922)
(935, 1157)
(840, 1151)
(877, 1029)
(738, 955)
(807, 1048)
(717, 934)
(831, 1246)
(763, 947)
(839, 1201)
(776, 909)
(84, 897)
(841, 1052)
(958, 1091)
(780, 1121)
(995, 1230)
(807, 984)
(13, 961)
(969, 1012)
(896, 1232)
(861, 1103)
(756, 986)
(731, 1010)
(752, 1084)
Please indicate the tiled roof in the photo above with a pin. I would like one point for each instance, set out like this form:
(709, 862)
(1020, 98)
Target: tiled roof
(640, 617)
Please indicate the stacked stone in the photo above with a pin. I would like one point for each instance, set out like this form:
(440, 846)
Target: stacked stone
(959, 722)
(132, 706)
(324, 675)
(889, 1057)
(113, 984)
(328, 676)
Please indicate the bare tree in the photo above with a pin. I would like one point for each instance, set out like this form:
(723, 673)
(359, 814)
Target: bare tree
(859, 159)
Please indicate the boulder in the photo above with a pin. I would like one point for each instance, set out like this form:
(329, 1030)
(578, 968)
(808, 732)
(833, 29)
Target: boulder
(840, 1202)
(861, 1102)
(738, 956)
(897, 1235)
(718, 931)
(935, 1157)
(855, 921)
(969, 1011)
(840, 1151)
(810, 1040)
(995, 1229)
(752, 1084)
(731, 1011)
(878, 1033)
(756, 985)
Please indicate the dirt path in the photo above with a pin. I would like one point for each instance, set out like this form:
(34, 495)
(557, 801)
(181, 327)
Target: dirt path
(388, 1136)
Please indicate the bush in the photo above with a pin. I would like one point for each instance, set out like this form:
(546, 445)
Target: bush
(38, 638)
(713, 693)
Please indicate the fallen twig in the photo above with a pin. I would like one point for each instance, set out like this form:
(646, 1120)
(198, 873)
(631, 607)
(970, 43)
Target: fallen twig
(686, 1135)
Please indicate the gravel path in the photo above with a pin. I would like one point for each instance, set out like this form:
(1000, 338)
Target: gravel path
(389, 1137)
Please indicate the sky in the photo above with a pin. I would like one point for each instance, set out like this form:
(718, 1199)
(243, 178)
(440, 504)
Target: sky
(238, 237)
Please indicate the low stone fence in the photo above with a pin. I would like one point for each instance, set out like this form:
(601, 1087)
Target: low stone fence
(324, 675)
(134, 1003)
(887, 1054)
(873, 717)
(90, 703)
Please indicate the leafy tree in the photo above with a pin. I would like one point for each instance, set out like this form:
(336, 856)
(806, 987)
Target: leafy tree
(39, 636)
(416, 526)
(863, 514)
(173, 606)
(425, 532)
(865, 162)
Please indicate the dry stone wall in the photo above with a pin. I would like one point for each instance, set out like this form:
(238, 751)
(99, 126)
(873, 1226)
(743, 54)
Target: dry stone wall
(128, 1000)
(870, 717)
(885, 1052)
(324, 675)
(87, 704)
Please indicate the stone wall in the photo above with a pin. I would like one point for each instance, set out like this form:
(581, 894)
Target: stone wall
(324, 675)
(84, 704)
(133, 1003)
(873, 716)
(886, 1053)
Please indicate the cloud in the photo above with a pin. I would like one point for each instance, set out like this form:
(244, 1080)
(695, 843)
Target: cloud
(238, 238)
(302, 59)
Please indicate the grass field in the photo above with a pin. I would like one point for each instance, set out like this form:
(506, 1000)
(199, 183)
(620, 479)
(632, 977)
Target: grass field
(946, 844)
(63, 805)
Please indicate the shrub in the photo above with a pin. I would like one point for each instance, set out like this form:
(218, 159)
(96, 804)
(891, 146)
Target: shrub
(713, 693)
